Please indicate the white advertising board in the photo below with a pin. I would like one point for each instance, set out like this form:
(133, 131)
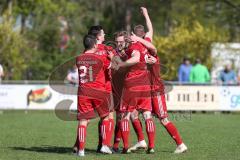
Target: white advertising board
(36, 97)
(195, 98)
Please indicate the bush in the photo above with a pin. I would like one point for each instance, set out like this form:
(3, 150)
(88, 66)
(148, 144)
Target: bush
(190, 39)
(12, 51)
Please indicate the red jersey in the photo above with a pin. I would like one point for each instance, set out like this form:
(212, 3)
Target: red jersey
(137, 86)
(141, 67)
(156, 81)
(91, 69)
(138, 73)
(104, 49)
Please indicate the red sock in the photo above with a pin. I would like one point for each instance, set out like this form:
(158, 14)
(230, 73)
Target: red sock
(99, 133)
(125, 130)
(172, 130)
(82, 136)
(117, 134)
(105, 131)
(150, 129)
(110, 133)
(137, 125)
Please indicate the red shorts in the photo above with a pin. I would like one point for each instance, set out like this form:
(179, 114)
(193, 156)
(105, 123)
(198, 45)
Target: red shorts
(138, 98)
(91, 100)
(87, 108)
(159, 107)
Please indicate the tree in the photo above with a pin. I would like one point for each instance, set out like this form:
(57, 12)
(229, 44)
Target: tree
(190, 39)
(12, 50)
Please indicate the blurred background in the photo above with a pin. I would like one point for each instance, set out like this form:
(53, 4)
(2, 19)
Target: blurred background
(198, 42)
(36, 36)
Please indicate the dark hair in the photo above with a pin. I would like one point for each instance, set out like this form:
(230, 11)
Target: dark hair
(95, 30)
(139, 31)
(89, 41)
(198, 61)
(186, 59)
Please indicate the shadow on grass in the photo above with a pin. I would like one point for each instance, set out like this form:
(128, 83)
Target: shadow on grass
(51, 149)
(68, 150)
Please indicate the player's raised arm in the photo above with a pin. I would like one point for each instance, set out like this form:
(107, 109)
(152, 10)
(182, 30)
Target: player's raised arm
(149, 33)
(146, 43)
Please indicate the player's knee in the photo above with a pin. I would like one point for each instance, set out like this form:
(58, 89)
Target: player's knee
(134, 116)
(83, 122)
(125, 116)
(147, 115)
(111, 115)
(164, 121)
(105, 118)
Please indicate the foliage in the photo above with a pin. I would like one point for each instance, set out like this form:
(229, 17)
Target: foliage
(12, 50)
(39, 52)
(190, 39)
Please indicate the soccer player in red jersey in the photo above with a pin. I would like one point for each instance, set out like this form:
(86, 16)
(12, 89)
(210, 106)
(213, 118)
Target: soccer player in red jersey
(98, 32)
(122, 41)
(92, 93)
(136, 94)
(158, 96)
(118, 83)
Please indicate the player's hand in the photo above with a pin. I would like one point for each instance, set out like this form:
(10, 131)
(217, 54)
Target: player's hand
(115, 62)
(114, 66)
(150, 60)
(133, 37)
(144, 11)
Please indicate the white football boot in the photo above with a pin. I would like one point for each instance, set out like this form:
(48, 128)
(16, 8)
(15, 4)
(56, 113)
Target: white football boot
(139, 145)
(106, 150)
(81, 153)
(181, 148)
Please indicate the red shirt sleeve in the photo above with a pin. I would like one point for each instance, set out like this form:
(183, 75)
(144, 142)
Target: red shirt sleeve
(148, 39)
(133, 47)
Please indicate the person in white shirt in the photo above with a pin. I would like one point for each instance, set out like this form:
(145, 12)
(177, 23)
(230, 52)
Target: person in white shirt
(72, 76)
(1, 73)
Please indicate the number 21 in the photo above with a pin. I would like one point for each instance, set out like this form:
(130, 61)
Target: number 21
(83, 75)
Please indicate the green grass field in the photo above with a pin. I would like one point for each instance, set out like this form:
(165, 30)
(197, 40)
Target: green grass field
(41, 135)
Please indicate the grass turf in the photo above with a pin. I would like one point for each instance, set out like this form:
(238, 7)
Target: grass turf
(41, 135)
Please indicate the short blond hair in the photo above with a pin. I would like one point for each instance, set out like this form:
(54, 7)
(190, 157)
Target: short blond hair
(139, 30)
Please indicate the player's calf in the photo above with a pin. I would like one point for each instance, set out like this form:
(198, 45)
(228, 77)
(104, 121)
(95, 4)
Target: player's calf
(150, 129)
(82, 132)
(125, 130)
(173, 132)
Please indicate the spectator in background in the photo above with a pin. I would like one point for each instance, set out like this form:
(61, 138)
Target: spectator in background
(72, 76)
(227, 75)
(184, 71)
(65, 38)
(1, 73)
(199, 73)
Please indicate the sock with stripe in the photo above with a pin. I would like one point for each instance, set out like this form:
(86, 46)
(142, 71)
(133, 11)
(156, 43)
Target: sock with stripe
(125, 130)
(82, 136)
(105, 132)
(110, 132)
(150, 129)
